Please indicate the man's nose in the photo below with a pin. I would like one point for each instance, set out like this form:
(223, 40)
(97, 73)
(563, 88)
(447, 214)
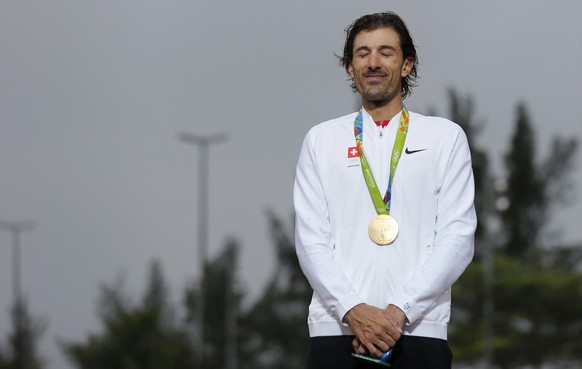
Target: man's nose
(374, 61)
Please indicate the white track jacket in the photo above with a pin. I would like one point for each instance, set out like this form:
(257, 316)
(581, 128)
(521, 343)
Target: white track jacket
(432, 201)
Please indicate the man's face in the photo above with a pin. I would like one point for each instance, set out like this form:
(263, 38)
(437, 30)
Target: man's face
(378, 65)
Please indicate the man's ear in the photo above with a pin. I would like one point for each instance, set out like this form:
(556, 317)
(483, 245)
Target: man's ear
(351, 71)
(407, 67)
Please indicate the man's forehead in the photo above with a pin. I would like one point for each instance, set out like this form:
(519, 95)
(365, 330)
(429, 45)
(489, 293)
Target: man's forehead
(377, 37)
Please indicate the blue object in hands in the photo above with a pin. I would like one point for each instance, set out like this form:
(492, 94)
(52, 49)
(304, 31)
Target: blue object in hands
(386, 356)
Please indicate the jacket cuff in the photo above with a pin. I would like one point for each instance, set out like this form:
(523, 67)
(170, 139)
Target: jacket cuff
(409, 306)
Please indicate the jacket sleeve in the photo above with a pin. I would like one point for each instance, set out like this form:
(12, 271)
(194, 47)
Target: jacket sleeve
(313, 236)
(455, 226)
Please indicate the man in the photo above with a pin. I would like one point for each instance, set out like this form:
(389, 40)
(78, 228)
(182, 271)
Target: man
(384, 214)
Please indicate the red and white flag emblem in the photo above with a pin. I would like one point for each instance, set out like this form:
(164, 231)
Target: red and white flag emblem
(353, 152)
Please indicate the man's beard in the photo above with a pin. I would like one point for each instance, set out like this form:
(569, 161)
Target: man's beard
(377, 94)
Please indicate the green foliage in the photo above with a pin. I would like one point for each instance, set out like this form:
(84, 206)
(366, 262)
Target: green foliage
(535, 294)
(533, 189)
(276, 326)
(221, 299)
(23, 340)
(272, 332)
(134, 337)
(462, 112)
(556, 169)
(525, 214)
(537, 314)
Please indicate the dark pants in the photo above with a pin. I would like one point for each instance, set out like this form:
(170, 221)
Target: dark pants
(410, 352)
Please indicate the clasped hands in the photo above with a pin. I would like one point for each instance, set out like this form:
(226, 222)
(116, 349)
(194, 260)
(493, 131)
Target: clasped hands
(377, 330)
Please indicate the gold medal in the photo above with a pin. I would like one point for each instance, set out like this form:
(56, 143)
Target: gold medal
(383, 229)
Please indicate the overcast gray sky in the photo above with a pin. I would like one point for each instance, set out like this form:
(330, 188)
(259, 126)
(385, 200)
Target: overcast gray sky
(94, 93)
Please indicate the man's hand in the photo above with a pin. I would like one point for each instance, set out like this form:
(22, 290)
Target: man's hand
(397, 316)
(376, 330)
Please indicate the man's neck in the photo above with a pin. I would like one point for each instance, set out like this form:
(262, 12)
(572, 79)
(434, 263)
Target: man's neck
(383, 110)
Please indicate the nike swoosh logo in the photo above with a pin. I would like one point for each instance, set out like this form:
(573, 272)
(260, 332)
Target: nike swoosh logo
(412, 151)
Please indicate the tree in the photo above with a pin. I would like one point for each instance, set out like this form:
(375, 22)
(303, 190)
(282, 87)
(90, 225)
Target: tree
(27, 330)
(537, 318)
(221, 306)
(276, 326)
(532, 279)
(134, 336)
(533, 189)
(524, 215)
(272, 332)
(462, 112)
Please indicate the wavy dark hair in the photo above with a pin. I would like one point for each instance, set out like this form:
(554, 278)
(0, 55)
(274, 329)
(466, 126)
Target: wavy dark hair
(376, 21)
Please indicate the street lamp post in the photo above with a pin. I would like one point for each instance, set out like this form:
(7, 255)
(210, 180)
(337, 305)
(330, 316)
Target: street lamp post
(16, 229)
(203, 143)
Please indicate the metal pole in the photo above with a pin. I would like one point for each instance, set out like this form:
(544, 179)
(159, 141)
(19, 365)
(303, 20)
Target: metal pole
(16, 229)
(203, 142)
(202, 242)
(203, 205)
(16, 292)
(230, 344)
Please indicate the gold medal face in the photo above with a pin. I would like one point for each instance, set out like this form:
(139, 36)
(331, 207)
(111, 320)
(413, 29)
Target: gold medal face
(383, 229)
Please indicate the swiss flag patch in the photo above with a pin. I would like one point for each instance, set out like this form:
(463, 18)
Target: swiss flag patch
(353, 152)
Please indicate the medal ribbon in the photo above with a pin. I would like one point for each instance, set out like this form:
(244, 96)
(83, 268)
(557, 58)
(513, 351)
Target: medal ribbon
(382, 205)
